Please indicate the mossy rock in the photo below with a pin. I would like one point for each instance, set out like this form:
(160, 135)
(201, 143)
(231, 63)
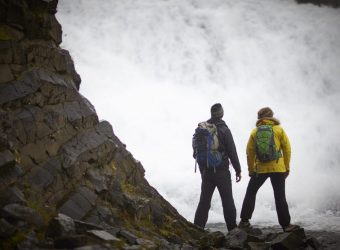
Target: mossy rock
(4, 34)
(13, 241)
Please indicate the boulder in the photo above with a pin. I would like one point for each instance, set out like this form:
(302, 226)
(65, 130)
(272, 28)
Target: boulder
(236, 238)
(7, 161)
(10, 176)
(147, 244)
(79, 204)
(215, 239)
(130, 237)
(18, 89)
(103, 235)
(98, 180)
(12, 195)
(258, 246)
(83, 143)
(313, 243)
(59, 226)
(289, 241)
(40, 178)
(73, 240)
(30, 241)
(101, 216)
(20, 212)
(83, 227)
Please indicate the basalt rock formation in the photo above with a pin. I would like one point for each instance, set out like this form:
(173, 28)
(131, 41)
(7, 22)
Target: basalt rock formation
(66, 180)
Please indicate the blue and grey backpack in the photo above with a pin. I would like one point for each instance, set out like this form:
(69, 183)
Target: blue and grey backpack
(205, 145)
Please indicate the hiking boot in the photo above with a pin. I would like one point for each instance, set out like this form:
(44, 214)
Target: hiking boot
(290, 228)
(244, 224)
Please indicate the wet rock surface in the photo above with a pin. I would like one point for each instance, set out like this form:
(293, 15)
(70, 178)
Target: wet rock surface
(260, 238)
(66, 180)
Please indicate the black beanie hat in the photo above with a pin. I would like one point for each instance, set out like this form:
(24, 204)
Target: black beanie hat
(216, 111)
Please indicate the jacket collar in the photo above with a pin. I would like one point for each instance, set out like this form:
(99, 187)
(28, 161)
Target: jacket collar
(267, 121)
(217, 121)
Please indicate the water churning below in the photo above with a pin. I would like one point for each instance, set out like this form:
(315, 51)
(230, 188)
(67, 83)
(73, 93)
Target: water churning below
(153, 69)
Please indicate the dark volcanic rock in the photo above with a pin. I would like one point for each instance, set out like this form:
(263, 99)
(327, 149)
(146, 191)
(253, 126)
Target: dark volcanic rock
(216, 239)
(73, 241)
(236, 239)
(130, 237)
(323, 240)
(258, 246)
(20, 212)
(12, 195)
(274, 238)
(79, 204)
(291, 240)
(7, 161)
(59, 226)
(66, 179)
(101, 234)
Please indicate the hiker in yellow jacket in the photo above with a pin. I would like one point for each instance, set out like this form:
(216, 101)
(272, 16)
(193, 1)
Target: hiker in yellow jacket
(259, 170)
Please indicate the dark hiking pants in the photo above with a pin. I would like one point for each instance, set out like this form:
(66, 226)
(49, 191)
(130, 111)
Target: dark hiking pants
(278, 183)
(210, 180)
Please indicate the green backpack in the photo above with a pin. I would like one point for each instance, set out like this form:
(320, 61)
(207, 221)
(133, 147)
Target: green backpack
(265, 145)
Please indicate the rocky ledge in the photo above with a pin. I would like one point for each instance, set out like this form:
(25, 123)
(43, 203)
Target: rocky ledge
(66, 180)
(261, 238)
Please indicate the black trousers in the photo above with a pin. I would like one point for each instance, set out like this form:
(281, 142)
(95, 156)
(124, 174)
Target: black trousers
(278, 183)
(210, 180)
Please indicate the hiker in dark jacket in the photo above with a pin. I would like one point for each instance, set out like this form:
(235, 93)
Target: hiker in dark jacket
(220, 176)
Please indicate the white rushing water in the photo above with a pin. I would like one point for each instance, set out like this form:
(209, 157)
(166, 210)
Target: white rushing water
(153, 68)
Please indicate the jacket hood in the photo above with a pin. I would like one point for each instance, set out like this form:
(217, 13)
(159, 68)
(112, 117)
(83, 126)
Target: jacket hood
(267, 121)
(217, 121)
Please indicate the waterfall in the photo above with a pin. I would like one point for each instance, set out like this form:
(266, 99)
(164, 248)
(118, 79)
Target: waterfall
(153, 68)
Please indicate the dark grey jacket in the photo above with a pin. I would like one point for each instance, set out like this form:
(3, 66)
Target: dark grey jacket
(227, 145)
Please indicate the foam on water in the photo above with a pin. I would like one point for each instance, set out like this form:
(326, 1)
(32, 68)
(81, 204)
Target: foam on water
(153, 68)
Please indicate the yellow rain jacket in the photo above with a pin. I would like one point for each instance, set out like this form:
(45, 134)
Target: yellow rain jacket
(281, 142)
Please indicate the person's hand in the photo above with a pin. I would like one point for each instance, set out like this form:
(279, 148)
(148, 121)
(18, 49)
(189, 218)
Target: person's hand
(238, 177)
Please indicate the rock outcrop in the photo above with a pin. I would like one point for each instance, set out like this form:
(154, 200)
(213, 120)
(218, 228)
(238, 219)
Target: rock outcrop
(66, 180)
(254, 238)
